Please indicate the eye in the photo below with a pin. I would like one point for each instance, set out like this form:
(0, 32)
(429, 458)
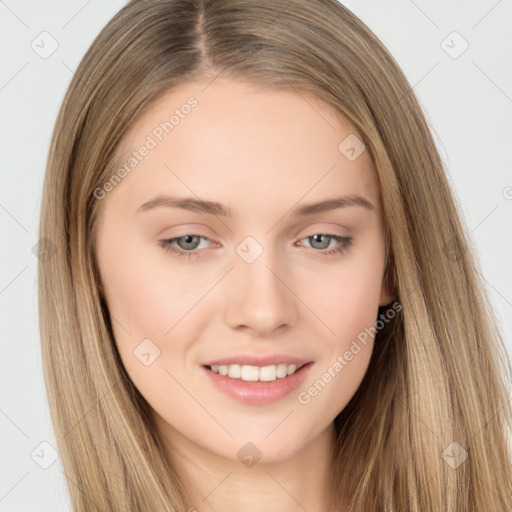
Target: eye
(185, 246)
(323, 241)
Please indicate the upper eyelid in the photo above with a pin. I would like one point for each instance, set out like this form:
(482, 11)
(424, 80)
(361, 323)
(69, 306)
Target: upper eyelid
(315, 231)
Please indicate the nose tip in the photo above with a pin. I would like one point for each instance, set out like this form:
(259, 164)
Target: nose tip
(259, 299)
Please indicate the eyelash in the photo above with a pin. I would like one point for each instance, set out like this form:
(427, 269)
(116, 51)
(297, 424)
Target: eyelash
(345, 244)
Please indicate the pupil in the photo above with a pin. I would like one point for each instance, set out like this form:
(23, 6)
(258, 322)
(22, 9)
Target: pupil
(317, 239)
(188, 241)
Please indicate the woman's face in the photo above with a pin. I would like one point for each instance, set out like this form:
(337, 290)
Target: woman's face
(256, 277)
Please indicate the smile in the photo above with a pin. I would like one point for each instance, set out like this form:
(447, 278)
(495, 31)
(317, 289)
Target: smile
(255, 373)
(257, 385)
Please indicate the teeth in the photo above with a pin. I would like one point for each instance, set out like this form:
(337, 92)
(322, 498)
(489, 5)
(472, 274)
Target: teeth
(281, 371)
(255, 373)
(234, 371)
(268, 373)
(250, 373)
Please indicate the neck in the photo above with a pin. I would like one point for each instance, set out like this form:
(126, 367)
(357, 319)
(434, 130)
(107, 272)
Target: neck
(213, 482)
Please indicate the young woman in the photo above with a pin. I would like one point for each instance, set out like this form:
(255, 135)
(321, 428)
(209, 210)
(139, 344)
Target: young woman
(262, 296)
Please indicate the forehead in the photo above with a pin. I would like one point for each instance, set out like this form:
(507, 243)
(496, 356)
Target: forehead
(234, 141)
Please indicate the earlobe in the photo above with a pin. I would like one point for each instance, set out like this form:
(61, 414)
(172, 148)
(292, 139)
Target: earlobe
(385, 297)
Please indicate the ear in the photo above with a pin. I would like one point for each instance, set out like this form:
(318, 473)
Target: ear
(385, 297)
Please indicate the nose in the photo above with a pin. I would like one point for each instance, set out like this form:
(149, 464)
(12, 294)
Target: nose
(261, 298)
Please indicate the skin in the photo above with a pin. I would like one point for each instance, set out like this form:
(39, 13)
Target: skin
(263, 154)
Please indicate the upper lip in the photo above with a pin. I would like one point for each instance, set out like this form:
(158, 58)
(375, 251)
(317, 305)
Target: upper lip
(259, 360)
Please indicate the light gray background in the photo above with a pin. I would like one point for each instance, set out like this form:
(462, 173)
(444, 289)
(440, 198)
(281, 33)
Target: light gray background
(467, 99)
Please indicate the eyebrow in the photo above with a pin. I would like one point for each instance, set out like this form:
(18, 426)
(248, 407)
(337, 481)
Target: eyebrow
(214, 208)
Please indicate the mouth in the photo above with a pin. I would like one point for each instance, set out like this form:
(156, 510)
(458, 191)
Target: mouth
(257, 385)
(249, 373)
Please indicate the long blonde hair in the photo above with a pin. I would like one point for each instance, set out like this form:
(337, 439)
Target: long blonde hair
(439, 369)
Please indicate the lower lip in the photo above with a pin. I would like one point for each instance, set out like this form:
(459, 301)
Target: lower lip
(258, 393)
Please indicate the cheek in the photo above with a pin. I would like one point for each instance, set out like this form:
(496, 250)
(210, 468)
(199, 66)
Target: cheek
(149, 309)
(347, 304)
(346, 298)
(156, 309)
(145, 297)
